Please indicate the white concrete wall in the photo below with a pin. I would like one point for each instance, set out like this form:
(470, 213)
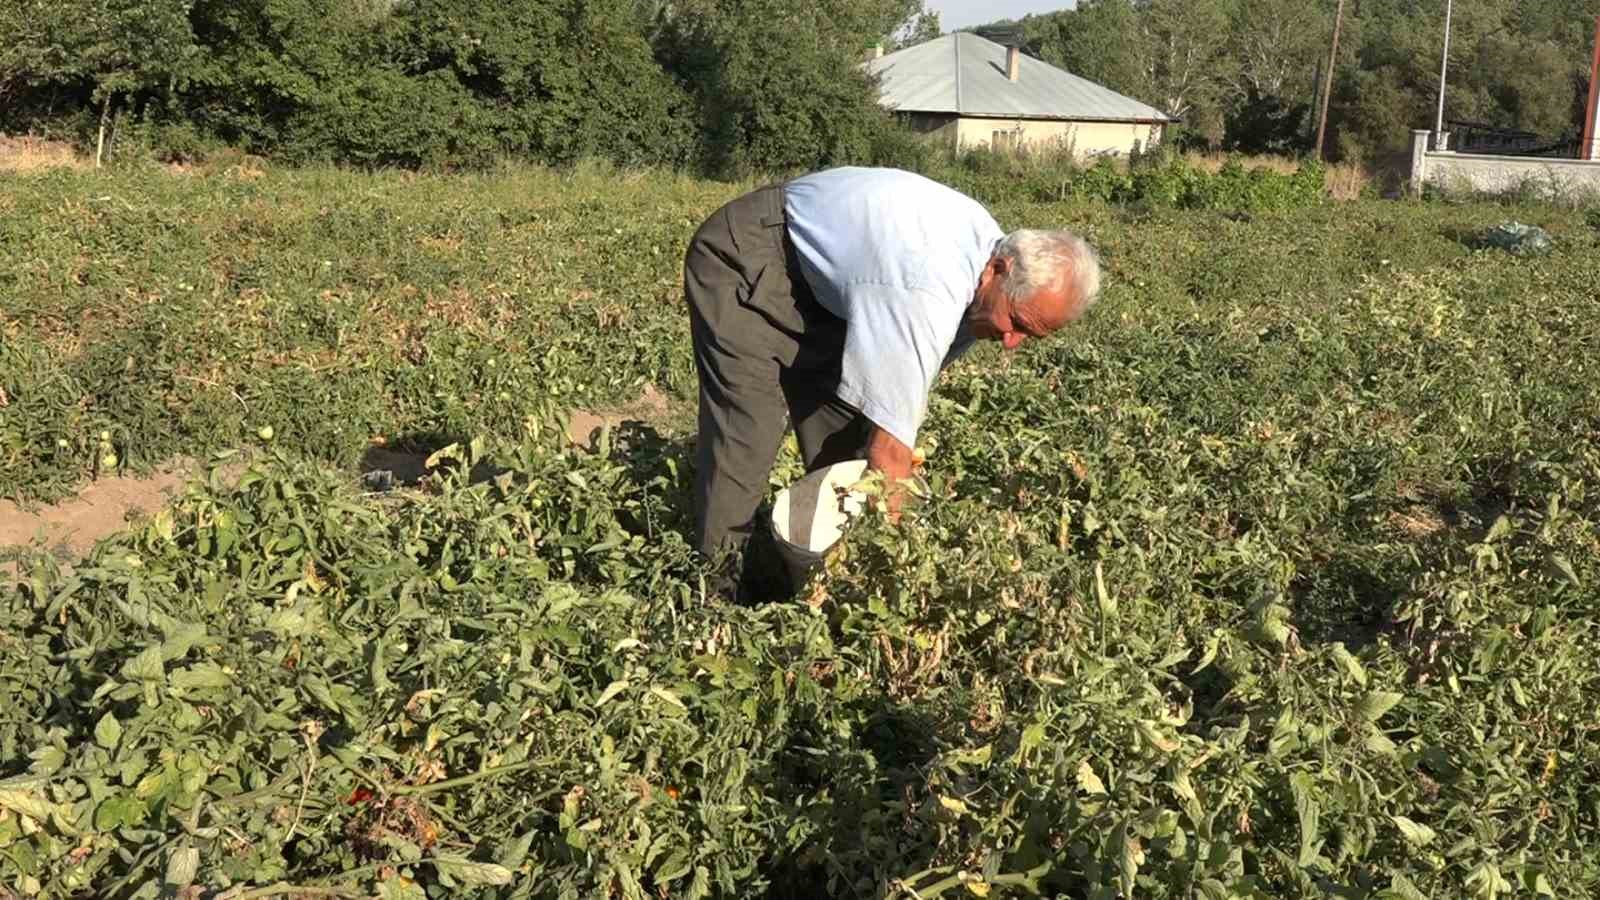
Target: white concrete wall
(1450, 171)
(1087, 139)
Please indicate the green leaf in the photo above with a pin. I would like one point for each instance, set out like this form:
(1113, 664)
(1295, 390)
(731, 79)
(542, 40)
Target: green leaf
(615, 688)
(1032, 738)
(1210, 655)
(1155, 738)
(675, 866)
(468, 872)
(1402, 888)
(1350, 664)
(26, 803)
(1375, 704)
(47, 760)
(400, 889)
(978, 757)
(182, 866)
(117, 811)
(180, 639)
(1173, 657)
(1108, 603)
(664, 694)
(205, 676)
(377, 671)
(1129, 857)
(515, 853)
(108, 731)
(625, 877)
(1088, 781)
(1564, 566)
(1271, 626)
(288, 622)
(1309, 813)
(1490, 883)
(701, 886)
(1417, 834)
(147, 666)
(1379, 743)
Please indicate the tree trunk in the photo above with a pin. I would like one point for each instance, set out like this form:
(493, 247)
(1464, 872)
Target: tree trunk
(100, 142)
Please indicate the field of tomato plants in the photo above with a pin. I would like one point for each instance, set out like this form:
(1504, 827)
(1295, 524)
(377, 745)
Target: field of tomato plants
(1274, 577)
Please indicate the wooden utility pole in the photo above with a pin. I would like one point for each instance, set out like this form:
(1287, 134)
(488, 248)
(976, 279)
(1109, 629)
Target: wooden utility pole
(1590, 148)
(1327, 84)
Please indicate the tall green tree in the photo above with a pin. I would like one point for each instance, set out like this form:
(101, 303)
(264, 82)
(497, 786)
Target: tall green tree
(923, 27)
(1276, 47)
(1241, 72)
(1105, 42)
(1186, 44)
(1172, 54)
(780, 85)
(106, 50)
(34, 52)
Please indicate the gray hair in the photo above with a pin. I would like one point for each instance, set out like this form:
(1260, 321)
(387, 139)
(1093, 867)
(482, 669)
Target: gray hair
(1044, 259)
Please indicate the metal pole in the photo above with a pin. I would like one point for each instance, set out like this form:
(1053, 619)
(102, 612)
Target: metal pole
(1327, 84)
(1444, 67)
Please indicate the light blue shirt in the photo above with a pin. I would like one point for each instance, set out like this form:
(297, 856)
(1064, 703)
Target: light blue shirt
(897, 256)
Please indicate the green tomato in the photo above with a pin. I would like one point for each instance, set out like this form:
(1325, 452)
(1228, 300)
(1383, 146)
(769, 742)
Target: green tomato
(264, 432)
(108, 461)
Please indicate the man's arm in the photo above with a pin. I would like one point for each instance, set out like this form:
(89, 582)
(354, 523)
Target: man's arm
(886, 454)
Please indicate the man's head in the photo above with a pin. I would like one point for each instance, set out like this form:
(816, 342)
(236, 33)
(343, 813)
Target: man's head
(1036, 282)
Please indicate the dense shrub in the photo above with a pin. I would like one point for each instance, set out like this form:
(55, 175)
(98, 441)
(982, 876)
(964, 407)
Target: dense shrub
(732, 87)
(1157, 179)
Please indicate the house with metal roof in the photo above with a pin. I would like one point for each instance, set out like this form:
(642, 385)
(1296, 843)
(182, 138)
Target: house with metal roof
(970, 91)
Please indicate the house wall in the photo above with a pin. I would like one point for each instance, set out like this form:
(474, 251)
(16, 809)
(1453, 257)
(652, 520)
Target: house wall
(1493, 174)
(1085, 138)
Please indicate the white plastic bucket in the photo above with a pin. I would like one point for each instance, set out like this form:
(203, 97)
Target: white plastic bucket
(810, 515)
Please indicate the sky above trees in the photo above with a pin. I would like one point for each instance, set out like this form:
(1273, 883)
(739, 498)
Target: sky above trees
(962, 13)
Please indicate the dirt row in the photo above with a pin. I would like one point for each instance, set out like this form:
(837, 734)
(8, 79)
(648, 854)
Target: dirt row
(70, 529)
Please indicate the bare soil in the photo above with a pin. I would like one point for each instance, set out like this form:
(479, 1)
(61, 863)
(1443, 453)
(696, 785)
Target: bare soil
(71, 528)
(407, 466)
(652, 408)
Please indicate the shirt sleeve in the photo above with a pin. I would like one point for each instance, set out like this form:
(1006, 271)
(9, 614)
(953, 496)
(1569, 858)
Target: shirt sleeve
(897, 341)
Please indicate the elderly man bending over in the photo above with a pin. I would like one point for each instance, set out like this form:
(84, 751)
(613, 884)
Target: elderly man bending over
(837, 298)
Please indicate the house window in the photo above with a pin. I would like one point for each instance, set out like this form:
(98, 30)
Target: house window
(1006, 141)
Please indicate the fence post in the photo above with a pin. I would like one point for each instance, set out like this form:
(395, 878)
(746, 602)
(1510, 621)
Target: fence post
(1419, 159)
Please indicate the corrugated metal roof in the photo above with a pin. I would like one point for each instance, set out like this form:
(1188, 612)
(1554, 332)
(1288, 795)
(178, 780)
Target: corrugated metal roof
(965, 74)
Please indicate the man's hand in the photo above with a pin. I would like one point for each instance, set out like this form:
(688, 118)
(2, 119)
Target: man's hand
(887, 455)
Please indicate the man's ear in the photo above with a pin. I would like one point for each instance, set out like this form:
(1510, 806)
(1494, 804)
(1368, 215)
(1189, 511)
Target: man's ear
(996, 267)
